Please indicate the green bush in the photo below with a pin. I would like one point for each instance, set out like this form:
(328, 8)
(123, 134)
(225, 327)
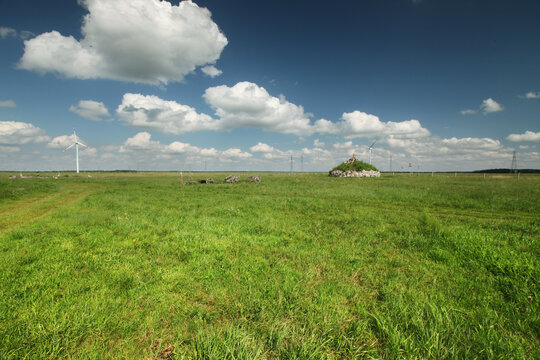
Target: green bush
(354, 166)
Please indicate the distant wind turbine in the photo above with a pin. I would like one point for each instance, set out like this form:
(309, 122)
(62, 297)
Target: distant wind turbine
(369, 148)
(76, 143)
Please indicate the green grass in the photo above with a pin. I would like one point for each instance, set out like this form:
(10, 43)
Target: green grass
(298, 266)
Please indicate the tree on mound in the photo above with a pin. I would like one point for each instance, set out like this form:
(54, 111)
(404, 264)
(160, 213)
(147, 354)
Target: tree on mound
(353, 164)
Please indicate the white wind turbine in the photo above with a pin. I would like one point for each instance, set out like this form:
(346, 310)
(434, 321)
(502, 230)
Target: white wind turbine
(369, 148)
(76, 143)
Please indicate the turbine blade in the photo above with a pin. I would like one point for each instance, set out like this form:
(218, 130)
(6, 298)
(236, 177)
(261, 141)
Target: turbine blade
(69, 147)
(80, 143)
(370, 146)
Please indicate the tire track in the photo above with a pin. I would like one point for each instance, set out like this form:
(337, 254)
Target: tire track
(30, 210)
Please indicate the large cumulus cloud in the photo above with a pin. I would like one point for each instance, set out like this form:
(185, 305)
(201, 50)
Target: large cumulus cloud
(153, 113)
(361, 124)
(20, 133)
(148, 41)
(248, 105)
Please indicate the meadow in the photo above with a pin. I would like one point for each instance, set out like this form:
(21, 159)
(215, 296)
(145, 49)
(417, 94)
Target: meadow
(299, 266)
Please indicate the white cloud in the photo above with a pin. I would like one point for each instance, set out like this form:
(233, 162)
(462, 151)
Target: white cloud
(91, 110)
(269, 152)
(490, 106)
(472, 143)
(341, 146)
(236, 153)
(532, 95)
(169, 117)
(343, 150)
(17, 133)
(323, 126)
(407, 128)
(9, 149)
(262, 148)
(434, 147)
(243, 105)
(209, 152)
(61, 142)
(318, 144)
(468, 112)
(211, 71)
(89, 151)
(526, 136)
(318, 155)
(7, 103)
(6, 32)
(25, 34)
(180, 148)
(148, 41)
(249, 105)
(142, 142)
(360, 124)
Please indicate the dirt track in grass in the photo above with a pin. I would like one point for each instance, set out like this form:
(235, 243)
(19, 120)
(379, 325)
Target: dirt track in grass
(29, 210)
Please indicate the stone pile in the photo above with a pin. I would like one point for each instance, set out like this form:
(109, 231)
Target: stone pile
(231, 179)
(352, 173)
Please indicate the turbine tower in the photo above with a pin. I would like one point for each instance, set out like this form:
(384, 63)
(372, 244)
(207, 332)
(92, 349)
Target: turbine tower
(369, 148)
(76, 143)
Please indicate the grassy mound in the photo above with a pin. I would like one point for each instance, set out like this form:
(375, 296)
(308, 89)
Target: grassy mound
(355, 165)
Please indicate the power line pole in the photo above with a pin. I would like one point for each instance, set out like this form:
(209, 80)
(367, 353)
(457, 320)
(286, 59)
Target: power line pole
(291, 163)
(514, 162)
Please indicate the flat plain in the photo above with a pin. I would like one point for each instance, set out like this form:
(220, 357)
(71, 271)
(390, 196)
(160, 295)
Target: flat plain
(299, 266)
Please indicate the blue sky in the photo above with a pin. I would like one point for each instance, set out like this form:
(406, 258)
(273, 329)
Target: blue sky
(243, 85)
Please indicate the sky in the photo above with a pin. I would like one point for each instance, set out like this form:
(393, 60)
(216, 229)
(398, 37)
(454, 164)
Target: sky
(244, 85)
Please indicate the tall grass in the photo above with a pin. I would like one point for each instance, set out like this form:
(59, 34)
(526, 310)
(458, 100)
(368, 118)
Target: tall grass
(296, 267)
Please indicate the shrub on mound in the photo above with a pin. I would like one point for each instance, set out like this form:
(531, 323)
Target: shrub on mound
(354, 166)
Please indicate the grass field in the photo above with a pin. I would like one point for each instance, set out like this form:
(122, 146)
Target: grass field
(135, 266)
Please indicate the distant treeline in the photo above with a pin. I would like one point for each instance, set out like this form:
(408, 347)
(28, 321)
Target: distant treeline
(507, 171)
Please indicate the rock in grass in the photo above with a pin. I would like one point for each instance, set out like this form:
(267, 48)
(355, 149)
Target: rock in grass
(254, 179)
(231, 179)
(207, 181)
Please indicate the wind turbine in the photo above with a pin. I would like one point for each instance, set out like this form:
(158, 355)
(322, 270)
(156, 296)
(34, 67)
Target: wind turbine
(369, 148)
(76, 143)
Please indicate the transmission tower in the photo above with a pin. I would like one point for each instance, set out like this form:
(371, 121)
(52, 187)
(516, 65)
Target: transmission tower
(291, 163)
(514, 162)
